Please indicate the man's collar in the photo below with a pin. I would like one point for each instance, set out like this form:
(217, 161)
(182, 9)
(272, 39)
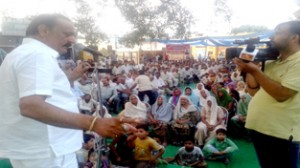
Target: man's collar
(52, 52)
(289, 58)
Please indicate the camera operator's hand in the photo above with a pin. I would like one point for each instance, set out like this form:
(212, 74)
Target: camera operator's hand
(249, 67)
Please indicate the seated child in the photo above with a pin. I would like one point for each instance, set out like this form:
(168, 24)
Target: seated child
(219, 148)
(88, 144)
(121, 152)
(189, 155)
(144, 147)
(92, 160)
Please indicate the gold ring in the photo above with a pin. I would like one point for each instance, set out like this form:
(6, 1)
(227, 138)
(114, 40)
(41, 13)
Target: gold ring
(116, 135)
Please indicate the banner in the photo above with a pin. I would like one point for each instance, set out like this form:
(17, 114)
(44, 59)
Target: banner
(178, 51)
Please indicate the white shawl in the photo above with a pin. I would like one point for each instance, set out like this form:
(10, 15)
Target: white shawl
(179, 111)
(213, 110)
(138, 111)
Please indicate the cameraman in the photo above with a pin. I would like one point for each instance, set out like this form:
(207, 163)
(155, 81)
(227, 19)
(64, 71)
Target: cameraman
(274, 111)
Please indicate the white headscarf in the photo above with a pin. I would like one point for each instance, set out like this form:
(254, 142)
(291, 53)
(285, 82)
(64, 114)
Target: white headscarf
(179, 111)
(163, 112)
(197, 91)
(213, 110)
(203, 100)
(138, 111)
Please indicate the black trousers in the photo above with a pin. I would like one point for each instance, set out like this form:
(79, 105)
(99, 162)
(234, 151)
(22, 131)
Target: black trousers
(274, 152)
(150, 94)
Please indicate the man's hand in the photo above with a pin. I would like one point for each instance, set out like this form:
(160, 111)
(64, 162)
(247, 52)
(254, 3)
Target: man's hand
(79, 71)
(249, 67)
(112, 127)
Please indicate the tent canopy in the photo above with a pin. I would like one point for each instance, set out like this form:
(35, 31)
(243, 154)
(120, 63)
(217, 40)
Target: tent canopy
(218, 40)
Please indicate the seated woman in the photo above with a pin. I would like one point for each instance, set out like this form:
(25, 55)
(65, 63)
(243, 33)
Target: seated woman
(214, 90)
(230, 86)
(135, 109)
(223, 98)
(204, 94)
(175, 97)
(101, 113)
(200, 86)
(160, 115)
(185, 118)
(211, 119)
(232, 108)
(238, 121)
(241, 87)
(190, 94)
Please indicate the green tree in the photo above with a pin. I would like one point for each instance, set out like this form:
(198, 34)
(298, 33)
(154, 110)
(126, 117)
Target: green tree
(154, 19)
(248, 29)
(86, 26)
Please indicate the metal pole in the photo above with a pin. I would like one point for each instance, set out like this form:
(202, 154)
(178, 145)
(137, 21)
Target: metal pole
(101, 144)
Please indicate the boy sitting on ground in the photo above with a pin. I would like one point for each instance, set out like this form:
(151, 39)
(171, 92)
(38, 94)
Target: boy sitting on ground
(189, 155)
(219, 148)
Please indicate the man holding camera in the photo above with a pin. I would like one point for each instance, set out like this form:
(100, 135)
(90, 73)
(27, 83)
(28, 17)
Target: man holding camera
(274, 111)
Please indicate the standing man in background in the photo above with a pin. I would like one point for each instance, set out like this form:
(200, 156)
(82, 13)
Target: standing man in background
(40, 123)
(274, 111)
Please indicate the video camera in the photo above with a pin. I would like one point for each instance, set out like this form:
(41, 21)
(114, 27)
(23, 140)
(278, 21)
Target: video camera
(250, 53)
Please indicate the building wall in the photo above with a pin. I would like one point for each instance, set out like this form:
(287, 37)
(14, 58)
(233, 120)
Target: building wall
(8, 43)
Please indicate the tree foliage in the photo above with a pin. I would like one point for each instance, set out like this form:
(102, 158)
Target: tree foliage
(86, 26)
(248, 29)
(223, 9)
(154, 19)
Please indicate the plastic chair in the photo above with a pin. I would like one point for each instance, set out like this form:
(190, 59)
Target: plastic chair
(225, 119)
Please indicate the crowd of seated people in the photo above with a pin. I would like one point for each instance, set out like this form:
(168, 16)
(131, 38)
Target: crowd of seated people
(151, 93)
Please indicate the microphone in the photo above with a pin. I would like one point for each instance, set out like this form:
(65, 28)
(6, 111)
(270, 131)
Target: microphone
(80, 47)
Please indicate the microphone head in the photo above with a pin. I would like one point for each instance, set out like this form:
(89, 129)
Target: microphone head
(78, 47)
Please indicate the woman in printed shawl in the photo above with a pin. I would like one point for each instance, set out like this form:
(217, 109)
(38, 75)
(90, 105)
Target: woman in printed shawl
(162, 113)
(185, 117)
(212, 118)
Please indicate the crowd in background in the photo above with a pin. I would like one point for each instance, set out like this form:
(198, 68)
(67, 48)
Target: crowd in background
(179, 100)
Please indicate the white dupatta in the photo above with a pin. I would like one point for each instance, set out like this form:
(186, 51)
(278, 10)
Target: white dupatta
(138, 111)
(213, 110)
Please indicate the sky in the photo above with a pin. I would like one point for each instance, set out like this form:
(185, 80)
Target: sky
(245, 12)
